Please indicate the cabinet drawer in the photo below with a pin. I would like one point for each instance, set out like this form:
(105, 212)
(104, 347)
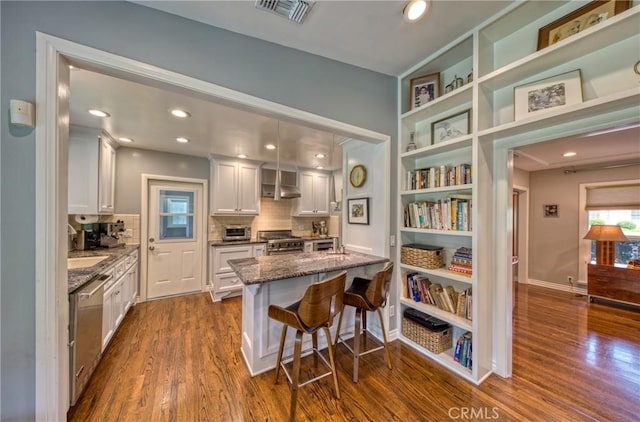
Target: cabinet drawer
(226, 282)
(222, 254)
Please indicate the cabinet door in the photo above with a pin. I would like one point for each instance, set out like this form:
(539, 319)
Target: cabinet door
(84, 153)
(306, 203)
(107, 318)
(224, 199)
(248, 189)
(106, 177)
(321, 194)
(118, 304)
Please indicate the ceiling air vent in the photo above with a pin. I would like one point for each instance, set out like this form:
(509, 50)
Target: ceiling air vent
(295, 10)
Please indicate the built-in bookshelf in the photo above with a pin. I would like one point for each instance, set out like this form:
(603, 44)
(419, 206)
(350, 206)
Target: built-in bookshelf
(499, 55)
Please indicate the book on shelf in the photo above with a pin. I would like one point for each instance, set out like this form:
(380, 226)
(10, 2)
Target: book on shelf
(451, 213)
(464, 305)
(462, 261)
(465, 350)
(420, 289)
(440, 176)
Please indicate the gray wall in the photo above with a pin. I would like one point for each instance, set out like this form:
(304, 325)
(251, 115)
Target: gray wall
(294, 78)
(553, 242)
(131, 163)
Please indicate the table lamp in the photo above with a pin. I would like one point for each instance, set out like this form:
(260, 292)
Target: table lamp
(605, 237)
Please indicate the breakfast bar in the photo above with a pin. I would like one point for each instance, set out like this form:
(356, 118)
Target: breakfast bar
(282, 280)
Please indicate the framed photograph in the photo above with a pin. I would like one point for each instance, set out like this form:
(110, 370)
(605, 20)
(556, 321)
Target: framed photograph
(550, 210)
(424, 89)
(358, 211)
(583, 18)
(551, 93)
(451, 127)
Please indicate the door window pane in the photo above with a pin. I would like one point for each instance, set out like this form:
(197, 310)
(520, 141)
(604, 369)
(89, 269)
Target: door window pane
(176, 214)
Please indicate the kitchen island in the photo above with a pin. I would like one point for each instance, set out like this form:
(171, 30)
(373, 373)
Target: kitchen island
(282, 280)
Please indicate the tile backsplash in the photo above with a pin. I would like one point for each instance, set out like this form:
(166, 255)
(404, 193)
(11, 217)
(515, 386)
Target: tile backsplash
(131, 225)
(274, 215)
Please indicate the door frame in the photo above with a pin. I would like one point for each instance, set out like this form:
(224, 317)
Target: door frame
(51, 363)
(144, 226)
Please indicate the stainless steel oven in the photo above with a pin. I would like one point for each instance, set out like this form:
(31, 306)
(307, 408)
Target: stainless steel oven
(236, 232)
(85, 333)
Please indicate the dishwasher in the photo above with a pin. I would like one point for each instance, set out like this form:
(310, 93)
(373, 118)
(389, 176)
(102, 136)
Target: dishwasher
(85, 333)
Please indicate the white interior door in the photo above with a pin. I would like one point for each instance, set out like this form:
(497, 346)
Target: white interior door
(175, 243)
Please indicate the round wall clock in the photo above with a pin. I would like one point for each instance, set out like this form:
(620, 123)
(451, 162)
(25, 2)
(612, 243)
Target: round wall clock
(358, 176)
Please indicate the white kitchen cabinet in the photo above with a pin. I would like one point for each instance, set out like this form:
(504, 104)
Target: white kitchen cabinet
(119, 295)
(314, 194)
(92, 164)
(223, 281)
(235, 188)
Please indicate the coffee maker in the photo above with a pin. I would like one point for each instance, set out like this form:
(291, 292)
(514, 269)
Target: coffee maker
(88, 237)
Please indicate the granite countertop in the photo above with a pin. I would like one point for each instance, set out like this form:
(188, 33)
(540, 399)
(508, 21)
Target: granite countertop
(278, 267)
(79, 276)
(220, 242)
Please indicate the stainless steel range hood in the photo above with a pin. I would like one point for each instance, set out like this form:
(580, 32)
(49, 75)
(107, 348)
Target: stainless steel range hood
(289, 183)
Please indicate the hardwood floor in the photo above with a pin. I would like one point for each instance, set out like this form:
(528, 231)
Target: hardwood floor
(179, 360)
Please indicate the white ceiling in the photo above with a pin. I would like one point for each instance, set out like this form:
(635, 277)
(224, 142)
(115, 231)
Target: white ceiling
(374, 30)
(368, 34)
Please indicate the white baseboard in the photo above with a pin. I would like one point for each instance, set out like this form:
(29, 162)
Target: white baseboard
(556, 286)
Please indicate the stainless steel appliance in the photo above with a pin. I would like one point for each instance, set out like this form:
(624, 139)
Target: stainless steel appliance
(85, 333)
(281, 242)
(288, 183)
(110, 233)
(87, 239)
(236, 232)
(323, 244)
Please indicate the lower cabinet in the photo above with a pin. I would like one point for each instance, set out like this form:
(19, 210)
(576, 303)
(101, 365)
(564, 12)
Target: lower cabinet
(119, 294)
(222, 279)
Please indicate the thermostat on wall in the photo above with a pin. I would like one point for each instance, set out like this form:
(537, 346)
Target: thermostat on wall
(22, 113)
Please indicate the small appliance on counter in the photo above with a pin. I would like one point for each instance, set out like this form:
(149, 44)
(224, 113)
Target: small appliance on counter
(88, 237)
(110, 234)
(236, 232)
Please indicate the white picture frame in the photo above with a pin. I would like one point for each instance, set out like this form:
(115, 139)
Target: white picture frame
(550, 94)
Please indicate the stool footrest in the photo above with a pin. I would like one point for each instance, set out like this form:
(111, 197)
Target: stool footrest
(366, 337)
(289, 359)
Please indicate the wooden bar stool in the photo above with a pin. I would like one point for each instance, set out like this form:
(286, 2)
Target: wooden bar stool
(366, 295)
(317, 309)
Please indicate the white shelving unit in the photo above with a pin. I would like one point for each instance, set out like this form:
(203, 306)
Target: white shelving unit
(503, 55)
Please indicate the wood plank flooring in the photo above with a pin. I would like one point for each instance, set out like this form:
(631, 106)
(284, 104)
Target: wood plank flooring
(179, 359)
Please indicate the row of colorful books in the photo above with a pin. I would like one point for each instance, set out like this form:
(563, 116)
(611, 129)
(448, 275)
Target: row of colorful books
(463, 351)
(452, 213)
(435, 177)
(462, 261)
(421, 289)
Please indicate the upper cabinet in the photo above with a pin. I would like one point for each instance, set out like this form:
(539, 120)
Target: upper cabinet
(314, 194)
(92, 164)
(235, 187)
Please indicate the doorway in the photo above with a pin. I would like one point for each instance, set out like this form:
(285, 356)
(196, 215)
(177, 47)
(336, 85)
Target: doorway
(175, 238)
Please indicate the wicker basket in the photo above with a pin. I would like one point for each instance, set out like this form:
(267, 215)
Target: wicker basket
(422, 256)
(434, 341)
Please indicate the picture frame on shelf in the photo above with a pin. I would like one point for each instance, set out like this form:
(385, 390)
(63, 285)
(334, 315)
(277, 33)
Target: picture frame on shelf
(424, 89)
(580, 19)
(451, 127)
(358, 211)
(551, 93)
(550, 210)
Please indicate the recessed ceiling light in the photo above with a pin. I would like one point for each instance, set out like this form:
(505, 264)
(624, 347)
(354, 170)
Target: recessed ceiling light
(127, 140)
(180, 113)
(320, 155)
(98, 113)
(270, 146)
(319, 167)
(241, 156)
(182, 140)
(569, 154)
(416, 9)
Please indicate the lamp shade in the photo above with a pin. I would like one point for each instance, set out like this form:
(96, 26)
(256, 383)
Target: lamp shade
(606, 232)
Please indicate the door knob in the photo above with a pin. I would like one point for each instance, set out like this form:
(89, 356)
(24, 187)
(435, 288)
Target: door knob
(151, 248)
(151, 239)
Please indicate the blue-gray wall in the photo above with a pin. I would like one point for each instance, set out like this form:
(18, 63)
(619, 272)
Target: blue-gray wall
(297, 79)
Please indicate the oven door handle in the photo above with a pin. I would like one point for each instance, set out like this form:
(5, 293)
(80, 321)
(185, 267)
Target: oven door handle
(87, 295)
